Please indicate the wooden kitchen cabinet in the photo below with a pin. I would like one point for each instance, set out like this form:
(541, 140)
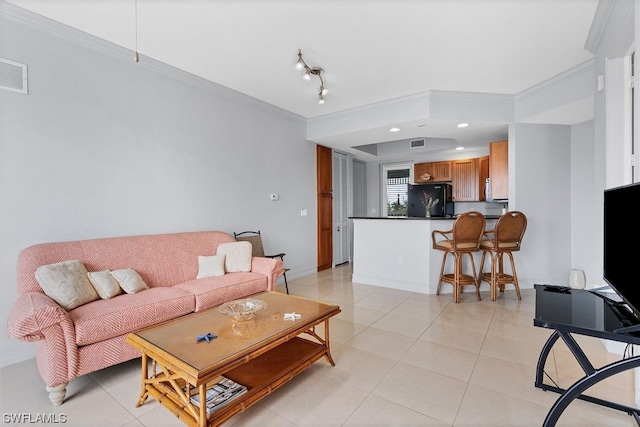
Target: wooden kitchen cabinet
(483, 174)
(439, 171)
(419, 170)
(468, 176)
(465, 180)
(499, 169)
(442, 171)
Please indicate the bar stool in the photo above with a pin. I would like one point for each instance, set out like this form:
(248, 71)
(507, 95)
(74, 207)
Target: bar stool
(463, 238)
(505, 238)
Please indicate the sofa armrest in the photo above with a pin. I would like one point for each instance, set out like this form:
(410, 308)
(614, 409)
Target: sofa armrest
(270, 267)
(32, 314)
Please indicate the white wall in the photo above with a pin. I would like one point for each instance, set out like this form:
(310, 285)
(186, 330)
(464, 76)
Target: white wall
(102, 146)
(586, 217)
(540, 186)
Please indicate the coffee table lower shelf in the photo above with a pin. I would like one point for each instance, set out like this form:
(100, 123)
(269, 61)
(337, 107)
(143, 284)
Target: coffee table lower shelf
(261, 376)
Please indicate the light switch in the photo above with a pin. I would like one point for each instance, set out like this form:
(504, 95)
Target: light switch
(303, 212)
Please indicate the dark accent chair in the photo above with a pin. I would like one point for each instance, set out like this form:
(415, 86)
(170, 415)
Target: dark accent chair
(255, 238)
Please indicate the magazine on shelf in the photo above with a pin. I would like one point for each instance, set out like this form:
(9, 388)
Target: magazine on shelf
(222, 392)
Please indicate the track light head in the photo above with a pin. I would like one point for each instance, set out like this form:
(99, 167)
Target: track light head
(300, 64)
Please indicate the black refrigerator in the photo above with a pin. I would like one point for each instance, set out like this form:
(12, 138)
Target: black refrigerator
(440, 191)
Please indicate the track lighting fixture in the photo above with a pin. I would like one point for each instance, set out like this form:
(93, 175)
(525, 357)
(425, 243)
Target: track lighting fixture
(311, 71)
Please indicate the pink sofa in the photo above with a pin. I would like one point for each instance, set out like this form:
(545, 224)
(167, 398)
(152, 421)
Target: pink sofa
(91, 337)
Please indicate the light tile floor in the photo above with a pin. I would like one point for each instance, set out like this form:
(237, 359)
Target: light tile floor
(402, 359)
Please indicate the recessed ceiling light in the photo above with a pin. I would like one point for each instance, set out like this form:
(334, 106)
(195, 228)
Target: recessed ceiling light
(394, 130)
(463, 125)
(459, 148)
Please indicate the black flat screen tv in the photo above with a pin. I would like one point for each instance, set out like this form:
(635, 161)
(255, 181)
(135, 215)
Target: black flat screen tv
(622, 244)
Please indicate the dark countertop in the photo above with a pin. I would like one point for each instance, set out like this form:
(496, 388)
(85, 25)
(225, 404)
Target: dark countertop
(433, 218)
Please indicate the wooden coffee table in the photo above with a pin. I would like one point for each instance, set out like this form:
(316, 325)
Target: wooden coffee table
(262, 354)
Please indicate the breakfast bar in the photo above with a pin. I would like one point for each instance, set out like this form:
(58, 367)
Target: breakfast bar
(396, 252)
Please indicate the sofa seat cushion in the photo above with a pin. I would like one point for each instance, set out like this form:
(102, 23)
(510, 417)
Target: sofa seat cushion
(104, 319)
(213, 291)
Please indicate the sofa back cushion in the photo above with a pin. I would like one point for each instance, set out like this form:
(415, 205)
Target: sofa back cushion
(67, 283)
(160, 259)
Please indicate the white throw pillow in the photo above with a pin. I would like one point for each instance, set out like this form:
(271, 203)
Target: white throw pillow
(129, 280)
(105, 284)
(237, 256)
(66, 283)
(209, 266)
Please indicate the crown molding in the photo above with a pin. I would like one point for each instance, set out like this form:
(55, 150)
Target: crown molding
(598, 25)
(393, 102)
(61, 31)
(482, 96)
(501, 98)
(613, 24)
(427, 97)
(562, 78)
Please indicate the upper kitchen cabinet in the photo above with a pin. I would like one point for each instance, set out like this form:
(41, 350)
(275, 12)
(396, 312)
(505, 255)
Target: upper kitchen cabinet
(432, 171)
(483, 174)
(465, 180)
(442, 171)
(499, 169)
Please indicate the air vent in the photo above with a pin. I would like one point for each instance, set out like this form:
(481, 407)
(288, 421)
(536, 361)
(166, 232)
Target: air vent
(417, 143)
(13, 76)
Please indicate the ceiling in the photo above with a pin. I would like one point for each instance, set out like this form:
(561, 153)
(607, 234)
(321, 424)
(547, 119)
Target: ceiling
(371, 50)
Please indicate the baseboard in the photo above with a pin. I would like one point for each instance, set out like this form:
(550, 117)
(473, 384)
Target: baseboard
(297, 274)
(393, 284)
(17, 354)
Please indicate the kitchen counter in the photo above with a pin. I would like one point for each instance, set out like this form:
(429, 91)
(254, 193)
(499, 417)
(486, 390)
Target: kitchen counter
(418, 218)
(397, 252)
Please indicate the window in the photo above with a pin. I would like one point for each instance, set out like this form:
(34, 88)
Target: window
(395, 188)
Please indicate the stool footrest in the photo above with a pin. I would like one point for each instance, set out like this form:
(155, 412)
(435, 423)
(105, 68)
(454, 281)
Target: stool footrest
(463, 279)
(500, 278)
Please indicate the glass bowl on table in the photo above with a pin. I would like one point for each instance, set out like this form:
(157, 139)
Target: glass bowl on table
(242, 309)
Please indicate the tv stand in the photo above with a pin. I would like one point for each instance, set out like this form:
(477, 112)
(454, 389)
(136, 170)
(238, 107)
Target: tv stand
(607, 296)
(628, 329)
(583, 313)
(629, 323)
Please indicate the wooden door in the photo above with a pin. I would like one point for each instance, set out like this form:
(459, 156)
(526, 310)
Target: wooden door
(499, 169)
(324, 188)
